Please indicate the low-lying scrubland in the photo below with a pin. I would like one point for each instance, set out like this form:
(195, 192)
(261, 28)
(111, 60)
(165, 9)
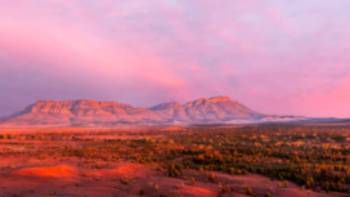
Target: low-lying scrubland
(313, 157)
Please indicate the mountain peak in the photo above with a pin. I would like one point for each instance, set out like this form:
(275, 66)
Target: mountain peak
(85, 102)
(85, 112)
(74, 106)
(219, 99)
(211, 100)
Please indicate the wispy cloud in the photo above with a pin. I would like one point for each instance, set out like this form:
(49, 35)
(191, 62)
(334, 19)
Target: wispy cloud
(276, 56)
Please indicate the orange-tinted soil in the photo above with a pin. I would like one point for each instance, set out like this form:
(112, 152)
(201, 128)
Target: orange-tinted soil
(30, 166)
(132, 179)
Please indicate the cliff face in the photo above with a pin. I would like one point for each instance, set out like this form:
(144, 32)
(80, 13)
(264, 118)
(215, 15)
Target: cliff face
(87, 112)
(204, 110)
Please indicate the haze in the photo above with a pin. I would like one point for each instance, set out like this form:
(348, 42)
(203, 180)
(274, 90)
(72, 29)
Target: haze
(276, 56)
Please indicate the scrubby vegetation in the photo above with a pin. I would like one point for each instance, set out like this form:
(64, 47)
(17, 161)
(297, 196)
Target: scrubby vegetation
(310, 156)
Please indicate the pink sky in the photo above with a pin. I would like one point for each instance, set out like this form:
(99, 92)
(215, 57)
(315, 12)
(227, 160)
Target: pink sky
(275, 56)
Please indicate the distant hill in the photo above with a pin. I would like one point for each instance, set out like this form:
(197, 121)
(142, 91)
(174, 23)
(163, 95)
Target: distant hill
(91, 112)
(216, 109)
(202, 111)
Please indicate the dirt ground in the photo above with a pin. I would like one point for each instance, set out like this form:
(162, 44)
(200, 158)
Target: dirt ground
(66, 178)
(24, 173)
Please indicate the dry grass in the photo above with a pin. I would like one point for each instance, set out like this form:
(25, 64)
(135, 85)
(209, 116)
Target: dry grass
(313, 157)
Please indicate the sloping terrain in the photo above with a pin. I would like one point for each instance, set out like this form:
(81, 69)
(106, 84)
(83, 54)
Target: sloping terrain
(91, 112)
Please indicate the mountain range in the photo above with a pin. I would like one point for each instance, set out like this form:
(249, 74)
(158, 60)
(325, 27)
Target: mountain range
(215, 110)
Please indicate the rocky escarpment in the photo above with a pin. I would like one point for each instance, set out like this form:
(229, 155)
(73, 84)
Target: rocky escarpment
(91, 112)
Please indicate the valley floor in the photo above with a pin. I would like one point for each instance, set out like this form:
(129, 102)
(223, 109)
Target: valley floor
(167, 162)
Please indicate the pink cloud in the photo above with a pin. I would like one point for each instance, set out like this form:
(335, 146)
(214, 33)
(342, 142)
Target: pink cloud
(275, 57)
(332, 101)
